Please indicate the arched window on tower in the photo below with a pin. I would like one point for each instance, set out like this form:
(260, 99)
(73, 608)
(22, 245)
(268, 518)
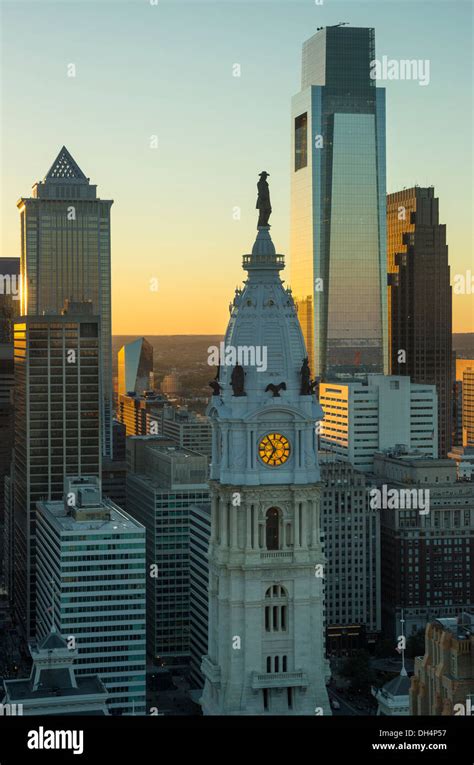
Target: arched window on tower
(272, 528)
(276, 611)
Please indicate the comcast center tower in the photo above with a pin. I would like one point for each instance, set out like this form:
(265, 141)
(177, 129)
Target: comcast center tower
(338, 249)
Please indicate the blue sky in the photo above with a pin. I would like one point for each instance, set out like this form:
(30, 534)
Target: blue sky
(166, 70)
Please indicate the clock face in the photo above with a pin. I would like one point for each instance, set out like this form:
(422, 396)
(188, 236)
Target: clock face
(274, 449)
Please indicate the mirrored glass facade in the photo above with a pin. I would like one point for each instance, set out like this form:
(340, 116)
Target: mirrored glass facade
(338, 249)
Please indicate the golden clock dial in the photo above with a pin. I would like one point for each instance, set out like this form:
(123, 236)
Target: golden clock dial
(274, 449)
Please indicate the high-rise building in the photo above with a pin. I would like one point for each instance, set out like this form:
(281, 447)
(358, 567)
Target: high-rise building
(443, 683)
(135, 367)
(338, 260)
(419, 298)
(266, 612)
(9, 535)
(468, 406)
(6, 420)
(65, 255)
(189, 429)
(94, 553)
(351, 536)
(9, 310)
(362, 418)
(163, 483)
(427, 537)
(57, 425)
(135, 412)
(199, 536)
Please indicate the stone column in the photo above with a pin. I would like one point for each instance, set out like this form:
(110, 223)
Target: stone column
(256, 535)
(248, 528)
(234, 541)
(314, 522)
(304, 524)
(225, 531)
(297, 525)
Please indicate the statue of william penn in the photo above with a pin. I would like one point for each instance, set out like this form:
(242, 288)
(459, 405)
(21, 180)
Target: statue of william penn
(263, 200)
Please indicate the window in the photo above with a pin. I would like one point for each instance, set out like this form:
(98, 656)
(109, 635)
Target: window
(272, 529)
(276, 614)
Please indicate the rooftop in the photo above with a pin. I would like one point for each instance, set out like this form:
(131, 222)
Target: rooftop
(118, 520)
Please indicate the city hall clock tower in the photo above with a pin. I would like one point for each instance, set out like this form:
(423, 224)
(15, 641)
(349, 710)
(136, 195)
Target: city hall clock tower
(266, 610)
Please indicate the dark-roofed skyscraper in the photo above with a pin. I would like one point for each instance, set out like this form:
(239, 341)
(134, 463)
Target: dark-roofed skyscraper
(65, 255)
(338, 270)
(419, 298)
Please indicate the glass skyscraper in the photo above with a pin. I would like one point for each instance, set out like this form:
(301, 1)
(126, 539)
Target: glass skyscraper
(338, 248)
(57, 427)
(65, 255)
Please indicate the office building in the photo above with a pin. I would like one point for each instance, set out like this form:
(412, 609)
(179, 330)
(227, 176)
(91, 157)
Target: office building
(351, 539)
(338, 239)
(9, 310)
(135, 367)
(119, 438)
(419, 298)
(114, 481)
(57, 426)
(266, 604)
(65, 255)
(189, 429)
(135, 412)
(443, 683)
(468, 406)
(163, 483)
(362, 418)
(199, 536)
(94, 553)
(427, 534)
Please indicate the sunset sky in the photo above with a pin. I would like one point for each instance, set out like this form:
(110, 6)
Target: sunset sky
(166, 70)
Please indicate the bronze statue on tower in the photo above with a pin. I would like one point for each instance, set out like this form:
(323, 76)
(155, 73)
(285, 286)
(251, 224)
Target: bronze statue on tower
(263, 200)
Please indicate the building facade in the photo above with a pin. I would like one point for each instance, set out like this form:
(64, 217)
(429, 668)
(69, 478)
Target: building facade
(135, 367)
(189, 429)
(362, 418)
(137, 412)
(57, 426)
(351, 536)
(65, 255)
(163, 483)
(9, 310)
(199, 536)
(338, 247)
(427, 540)
(443, 683)
(95, 555)
(468, 406)
(419, 298)
(266, 612)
